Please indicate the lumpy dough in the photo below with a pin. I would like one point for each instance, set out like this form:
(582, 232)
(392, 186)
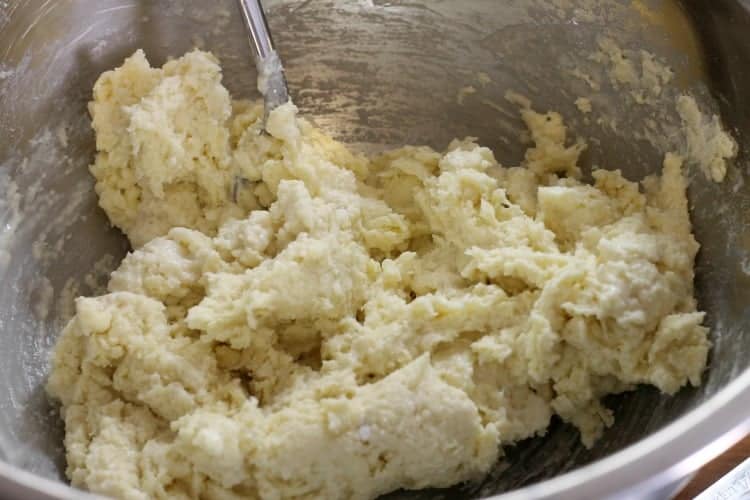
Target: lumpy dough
(299, 321)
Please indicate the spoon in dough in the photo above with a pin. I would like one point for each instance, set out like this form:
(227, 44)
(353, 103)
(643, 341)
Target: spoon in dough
(271, 78)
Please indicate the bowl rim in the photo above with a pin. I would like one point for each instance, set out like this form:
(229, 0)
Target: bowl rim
(660, 460)
(657, 461)
(649, 465)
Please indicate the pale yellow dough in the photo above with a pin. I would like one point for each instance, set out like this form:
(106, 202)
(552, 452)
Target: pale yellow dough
(299, 321)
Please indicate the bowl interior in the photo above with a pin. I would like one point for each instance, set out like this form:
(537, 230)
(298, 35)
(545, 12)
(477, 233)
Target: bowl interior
(373, 73)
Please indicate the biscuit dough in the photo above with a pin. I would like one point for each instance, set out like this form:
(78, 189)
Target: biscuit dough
(299, 321)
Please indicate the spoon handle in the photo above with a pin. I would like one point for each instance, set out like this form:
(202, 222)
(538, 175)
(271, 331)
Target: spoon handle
(271, 78)
(255, 21)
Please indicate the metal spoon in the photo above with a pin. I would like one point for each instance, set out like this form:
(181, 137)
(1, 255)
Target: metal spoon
(271, 78)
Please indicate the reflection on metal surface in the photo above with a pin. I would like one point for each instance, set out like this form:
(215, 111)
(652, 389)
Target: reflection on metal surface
(670, 18)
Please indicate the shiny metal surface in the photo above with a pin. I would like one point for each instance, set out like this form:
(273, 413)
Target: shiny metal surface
(255, 20)
(376, 73)
(272, 80)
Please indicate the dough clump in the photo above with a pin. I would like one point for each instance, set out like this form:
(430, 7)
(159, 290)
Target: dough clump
(299, 321)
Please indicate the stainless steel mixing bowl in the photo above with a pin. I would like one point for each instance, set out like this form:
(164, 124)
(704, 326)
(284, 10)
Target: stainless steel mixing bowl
(375, 73)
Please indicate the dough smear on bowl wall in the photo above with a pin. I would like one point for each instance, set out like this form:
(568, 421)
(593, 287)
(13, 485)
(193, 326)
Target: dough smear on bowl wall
(298, 320)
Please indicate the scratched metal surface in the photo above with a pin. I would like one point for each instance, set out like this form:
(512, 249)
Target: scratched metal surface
(373, 73)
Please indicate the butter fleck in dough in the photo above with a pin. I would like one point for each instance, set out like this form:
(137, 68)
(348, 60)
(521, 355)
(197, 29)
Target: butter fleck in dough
(584, 105)
(708, 145)
(299, 321)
